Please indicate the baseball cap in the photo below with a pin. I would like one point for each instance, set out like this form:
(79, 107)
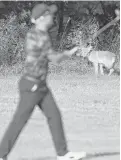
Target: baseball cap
(40, 9)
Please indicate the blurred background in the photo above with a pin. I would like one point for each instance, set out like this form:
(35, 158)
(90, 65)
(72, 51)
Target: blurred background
(74, 23)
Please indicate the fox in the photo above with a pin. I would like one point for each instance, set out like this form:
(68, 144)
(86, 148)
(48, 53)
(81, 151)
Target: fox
(100, 59)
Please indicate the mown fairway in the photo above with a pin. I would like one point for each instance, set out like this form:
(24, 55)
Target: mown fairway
(90, 109)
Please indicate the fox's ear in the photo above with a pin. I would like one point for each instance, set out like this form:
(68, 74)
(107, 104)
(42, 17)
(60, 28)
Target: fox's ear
(117, 12)
(89, 48)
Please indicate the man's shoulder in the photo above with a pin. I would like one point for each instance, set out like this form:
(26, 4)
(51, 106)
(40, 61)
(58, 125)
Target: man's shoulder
(34, 32)
(37, 39)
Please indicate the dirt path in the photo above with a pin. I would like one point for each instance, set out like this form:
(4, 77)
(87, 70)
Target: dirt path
(90, 110)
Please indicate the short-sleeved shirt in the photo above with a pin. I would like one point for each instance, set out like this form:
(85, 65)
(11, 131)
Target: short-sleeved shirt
(37, 47)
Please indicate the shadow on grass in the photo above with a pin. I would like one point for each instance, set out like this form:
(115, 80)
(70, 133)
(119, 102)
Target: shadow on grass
(103, 154)
(40, 158)
(89, 156)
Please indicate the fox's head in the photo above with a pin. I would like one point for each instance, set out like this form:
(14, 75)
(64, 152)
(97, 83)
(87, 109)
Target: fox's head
(85, 51)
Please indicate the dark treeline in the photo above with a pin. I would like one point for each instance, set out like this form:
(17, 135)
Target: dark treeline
(74, 22)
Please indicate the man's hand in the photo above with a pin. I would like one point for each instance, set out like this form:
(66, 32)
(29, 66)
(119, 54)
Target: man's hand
(70, 52)
(57, 58)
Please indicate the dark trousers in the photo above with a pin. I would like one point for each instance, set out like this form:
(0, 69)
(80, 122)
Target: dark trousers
(42, 97)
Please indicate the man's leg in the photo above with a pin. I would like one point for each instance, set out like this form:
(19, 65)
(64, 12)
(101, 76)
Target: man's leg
(24, 110)
(52, 113)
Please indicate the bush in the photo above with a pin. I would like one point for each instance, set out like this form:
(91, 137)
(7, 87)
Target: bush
(12, 40)
(110, 40)
(80, 32)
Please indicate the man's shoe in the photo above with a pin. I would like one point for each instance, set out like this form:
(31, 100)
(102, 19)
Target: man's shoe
(72, 156)
(5, 158)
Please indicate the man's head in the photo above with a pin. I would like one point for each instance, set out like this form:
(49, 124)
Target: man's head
(42, 16)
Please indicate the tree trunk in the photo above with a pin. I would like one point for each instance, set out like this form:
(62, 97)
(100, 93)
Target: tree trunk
(2, 5)
(103, 8)
(103, 29)
(61, 16)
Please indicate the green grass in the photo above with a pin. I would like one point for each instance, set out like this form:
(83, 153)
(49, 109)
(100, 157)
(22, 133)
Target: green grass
(90, 110)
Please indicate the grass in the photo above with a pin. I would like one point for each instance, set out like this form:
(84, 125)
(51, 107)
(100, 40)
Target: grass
(90, 111)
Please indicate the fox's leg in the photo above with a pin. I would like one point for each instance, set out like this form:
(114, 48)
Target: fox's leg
(101, 69)
(96, 68)
(111, 71)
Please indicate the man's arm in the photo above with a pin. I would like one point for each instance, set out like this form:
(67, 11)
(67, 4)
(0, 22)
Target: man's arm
(59, 57)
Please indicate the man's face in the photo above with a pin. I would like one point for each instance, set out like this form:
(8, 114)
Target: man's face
(45, 21)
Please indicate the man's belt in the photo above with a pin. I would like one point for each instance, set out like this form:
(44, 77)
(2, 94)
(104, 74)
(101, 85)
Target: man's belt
(32, 79)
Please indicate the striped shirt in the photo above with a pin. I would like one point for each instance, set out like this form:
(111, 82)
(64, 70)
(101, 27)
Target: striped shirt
(37, 47)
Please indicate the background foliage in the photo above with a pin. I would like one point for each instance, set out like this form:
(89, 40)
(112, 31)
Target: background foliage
(86, 17)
